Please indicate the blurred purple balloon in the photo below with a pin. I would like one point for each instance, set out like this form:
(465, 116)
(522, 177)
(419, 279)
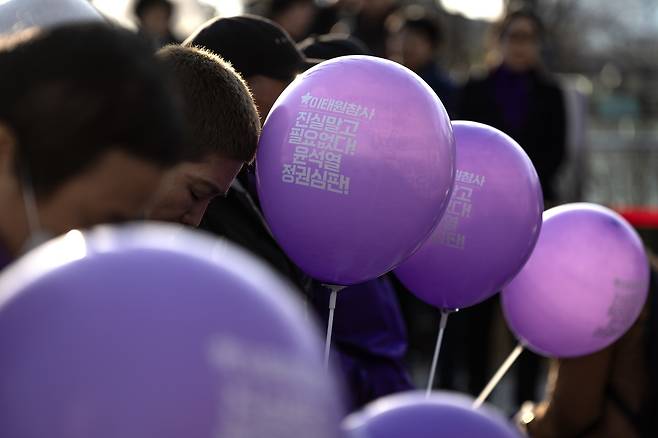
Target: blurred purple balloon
(584, 285)
(156, 331)
(16, 15)
(412, 415)
(355, 166)
(490, 226)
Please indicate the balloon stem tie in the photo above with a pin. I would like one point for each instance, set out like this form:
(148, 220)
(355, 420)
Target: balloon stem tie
(330, 323)
(495, 380)
(437, 349)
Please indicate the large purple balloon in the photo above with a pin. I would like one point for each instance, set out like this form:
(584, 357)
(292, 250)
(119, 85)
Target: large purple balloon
(490, 227)
(155, 331)
(16, 15)
(354, 167)
(584, 285)
(442, 415)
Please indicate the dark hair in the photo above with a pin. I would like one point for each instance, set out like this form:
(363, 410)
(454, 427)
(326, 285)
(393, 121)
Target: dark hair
(220, 112)
(141, 6)
(503, 26)
(425, 26)
(73, 93)
(272, 8)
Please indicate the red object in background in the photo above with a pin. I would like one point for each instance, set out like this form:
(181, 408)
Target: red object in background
(640, 217)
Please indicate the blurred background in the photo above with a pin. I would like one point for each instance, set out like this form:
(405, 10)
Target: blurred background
(603, 53)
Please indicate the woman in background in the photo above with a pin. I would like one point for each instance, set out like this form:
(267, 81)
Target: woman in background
(518, 97)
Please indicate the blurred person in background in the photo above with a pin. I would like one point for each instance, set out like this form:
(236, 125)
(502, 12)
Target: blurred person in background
(329, 13)
(608, 394)
(295, 16)
(222, 129)
(518, 97)
(88, 126)
(366, 21)
(155, 21)
(414, 40)
(369, 349)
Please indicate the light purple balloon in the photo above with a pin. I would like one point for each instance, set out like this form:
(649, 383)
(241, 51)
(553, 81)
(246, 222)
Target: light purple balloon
(490, 226)
(16, 15)
(442, 415)
(584, 285)
(374, 177)
(156, 331)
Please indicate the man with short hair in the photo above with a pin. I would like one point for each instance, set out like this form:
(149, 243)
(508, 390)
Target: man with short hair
(88, 125)
(222, 134)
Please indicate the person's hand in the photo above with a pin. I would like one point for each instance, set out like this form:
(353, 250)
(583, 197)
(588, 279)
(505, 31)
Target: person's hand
(525, 416)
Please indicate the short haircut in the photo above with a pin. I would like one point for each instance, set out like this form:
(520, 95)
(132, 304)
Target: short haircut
(74, 93)
(141, 6)
(220, 114)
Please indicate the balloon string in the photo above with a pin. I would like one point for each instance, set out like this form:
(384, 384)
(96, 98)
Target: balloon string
(437, 349)
(495, 380)
(330, 324)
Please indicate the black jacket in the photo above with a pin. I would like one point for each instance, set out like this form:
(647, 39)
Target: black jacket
(542, 135)
(238, 218)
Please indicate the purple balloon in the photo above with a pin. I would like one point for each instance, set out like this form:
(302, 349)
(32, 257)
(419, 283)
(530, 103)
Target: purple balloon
(355, 165)
(156, 331)
(412, 415)
(16, 15)
(584, 285)
(490, 226)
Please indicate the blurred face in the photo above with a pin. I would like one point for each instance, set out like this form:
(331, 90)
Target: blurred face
(188, 188)
(155, 21)
(417, 50)
(297, 19)
(266, 91)
(116, 187)
(520, 45)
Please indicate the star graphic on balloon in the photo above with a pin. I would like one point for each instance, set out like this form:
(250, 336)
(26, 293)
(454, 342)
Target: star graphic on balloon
(306, 98)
